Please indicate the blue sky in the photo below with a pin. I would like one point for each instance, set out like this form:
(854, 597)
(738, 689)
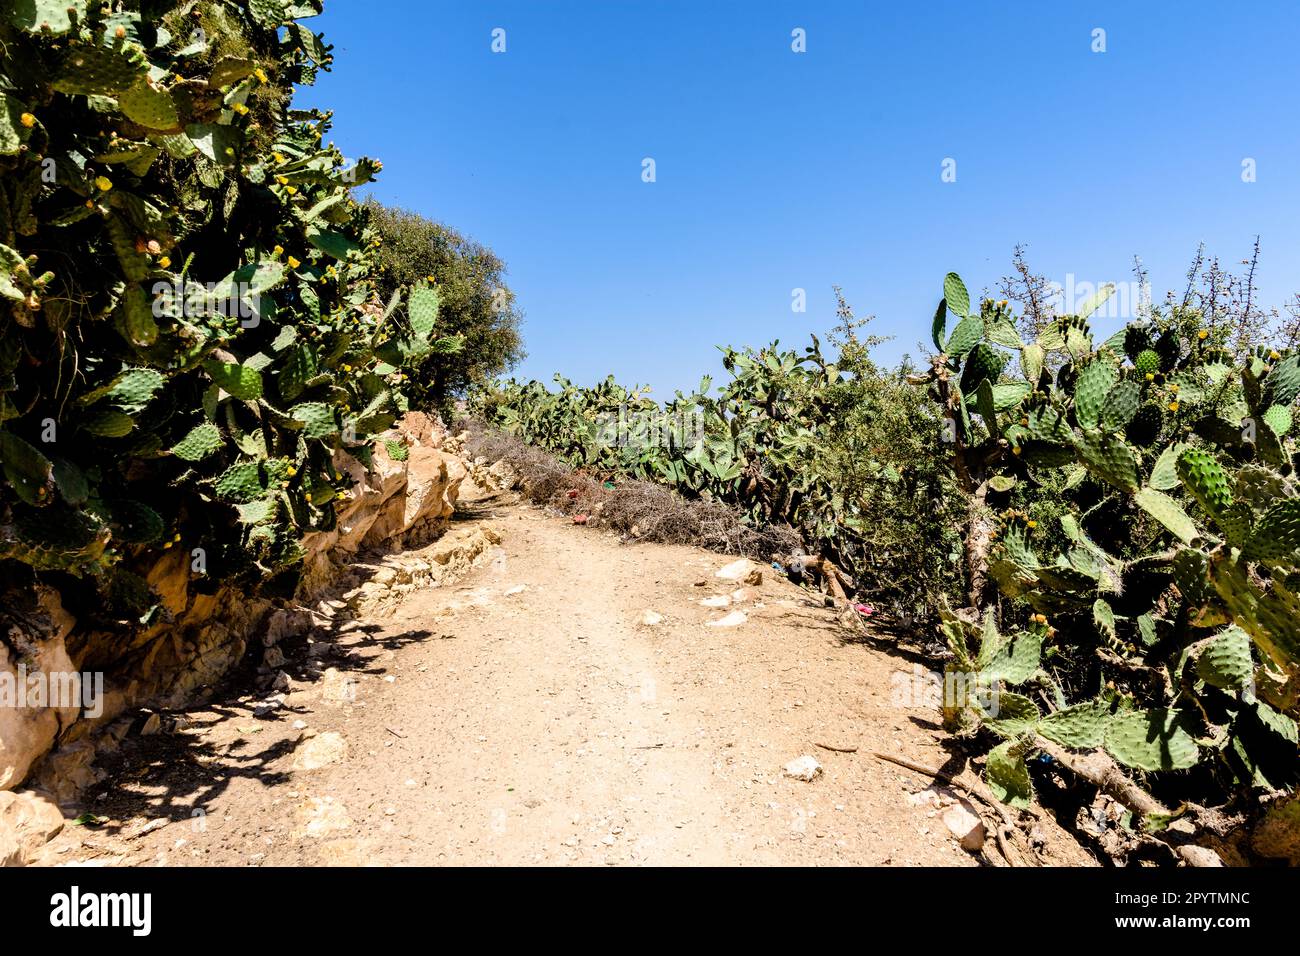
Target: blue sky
(777, 170)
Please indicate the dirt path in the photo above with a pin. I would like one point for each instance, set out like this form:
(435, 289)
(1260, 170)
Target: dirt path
(527, 715)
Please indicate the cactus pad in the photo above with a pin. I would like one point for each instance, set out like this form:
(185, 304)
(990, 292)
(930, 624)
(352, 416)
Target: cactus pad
(1151, 740)
(1225, 660)
(1081, 727)
(202, 441)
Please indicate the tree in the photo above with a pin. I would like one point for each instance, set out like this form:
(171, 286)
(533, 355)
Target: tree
(474, 300)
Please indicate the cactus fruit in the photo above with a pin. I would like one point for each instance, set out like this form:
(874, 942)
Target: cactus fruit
(1154, 739)
(1147, 362)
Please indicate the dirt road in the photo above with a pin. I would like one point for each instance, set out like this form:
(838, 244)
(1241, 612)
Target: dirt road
(528, 715)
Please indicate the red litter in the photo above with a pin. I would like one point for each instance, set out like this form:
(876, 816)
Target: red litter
(579, 519)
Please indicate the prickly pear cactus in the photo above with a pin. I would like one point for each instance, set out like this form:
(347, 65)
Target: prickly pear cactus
(191, 333)
(1147, 520)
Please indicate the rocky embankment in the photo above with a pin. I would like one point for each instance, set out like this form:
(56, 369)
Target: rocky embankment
(376, 552)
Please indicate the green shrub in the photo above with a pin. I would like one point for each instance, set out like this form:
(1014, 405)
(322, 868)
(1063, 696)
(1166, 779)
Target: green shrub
(476, 303)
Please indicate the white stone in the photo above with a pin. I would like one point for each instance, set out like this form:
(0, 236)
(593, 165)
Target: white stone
(965, 826)
(803, 768)
(733, 619)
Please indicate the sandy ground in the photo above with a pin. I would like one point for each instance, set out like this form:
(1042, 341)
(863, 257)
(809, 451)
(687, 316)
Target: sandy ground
(527, 715)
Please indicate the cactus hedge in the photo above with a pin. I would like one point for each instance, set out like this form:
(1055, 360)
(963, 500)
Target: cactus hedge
(1162, 605)
(190, 333)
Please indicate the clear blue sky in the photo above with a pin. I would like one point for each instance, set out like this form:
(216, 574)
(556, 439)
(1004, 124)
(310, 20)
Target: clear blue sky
(778, 170)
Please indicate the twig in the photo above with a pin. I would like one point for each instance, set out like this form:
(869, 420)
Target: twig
(838, 750)
(395, 733)
(999, 833)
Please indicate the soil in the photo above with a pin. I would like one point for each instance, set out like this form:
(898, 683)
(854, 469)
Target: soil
(527, 714)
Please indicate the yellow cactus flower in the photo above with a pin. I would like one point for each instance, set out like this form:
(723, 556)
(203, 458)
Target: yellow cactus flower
(103, 183)
(282, 180)
(278, 250)
(1173, 406)
(261, 75)
(294, 262)
(1151, 377)
(279, 158)
(1031, 524)
(28, 120)
(165, 262)
(1203, 334)
(1015, 450)
(240, 108)
(291, 190)
(308, 496)
(1173, 386)
(1274, 354)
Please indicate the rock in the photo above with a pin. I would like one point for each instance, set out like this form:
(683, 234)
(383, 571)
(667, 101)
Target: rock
(323, 816)
(28, 732)
(11, 851)
(740, 595)
(736, 570)
(718, 600)
(517, 589)
(755, 577)
(152, 725)
(67, 771)
(733, 619)
(965, 826)
(651, 618)
(337, 688)
(320, 751)
(803, 768)
(1195, 855)
(33, 819)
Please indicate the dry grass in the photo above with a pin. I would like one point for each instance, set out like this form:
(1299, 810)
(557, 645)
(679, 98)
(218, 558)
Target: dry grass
(641, 510)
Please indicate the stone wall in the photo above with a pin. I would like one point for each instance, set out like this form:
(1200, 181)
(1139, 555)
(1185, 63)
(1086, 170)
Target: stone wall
(203, 634)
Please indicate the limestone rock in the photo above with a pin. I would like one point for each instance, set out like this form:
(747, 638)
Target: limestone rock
(31, 817)
(734, 619)
(320, 751)
(965, 826)
(804, 768)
